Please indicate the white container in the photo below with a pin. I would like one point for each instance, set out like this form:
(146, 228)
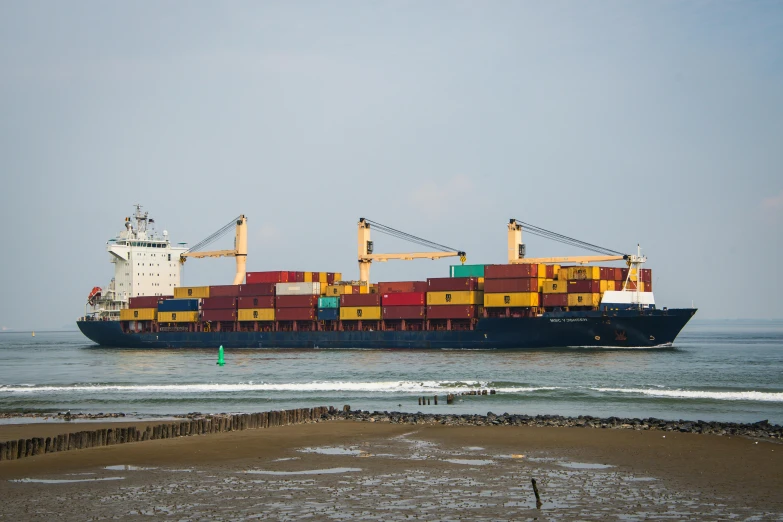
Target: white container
(298, 288)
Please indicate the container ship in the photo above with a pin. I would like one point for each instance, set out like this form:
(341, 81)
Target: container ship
(527, 303)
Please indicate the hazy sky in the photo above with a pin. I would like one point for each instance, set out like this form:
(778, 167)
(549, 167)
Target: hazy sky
(618, 123)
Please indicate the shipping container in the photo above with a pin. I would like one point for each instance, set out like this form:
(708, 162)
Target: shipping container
(360, 300)
(624, 273)
(404, 299)
(256, 314)
(296, 301)
(510, 271)
(511, 285)
(584, 287)
(298, 288)
(328, 314)
(480, 285)
(177, 317)
(452, 312)
(360, 313)
(466, 270)
(266, 277)
(592, 300)
(515, 299)
(295, 314)
(551, 271)
(329, 302)
(555, 287)
(249, 302)
(219, 315)
(455, 298)
(645, 275)
(579, 273)
(403, 312)
(138, 314)
(308, 277)
(333, 290)
(402, 286)
(147, 301)
(296, 277)
(217, 303)
(607, 285)
(607, 273)
(446, 284)
(257, 289)
(631, 285)
(184, 292)
(551, 300)
(224, 291)
(179, 305)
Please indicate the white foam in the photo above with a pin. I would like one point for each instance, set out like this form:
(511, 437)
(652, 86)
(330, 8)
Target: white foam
(700, 394)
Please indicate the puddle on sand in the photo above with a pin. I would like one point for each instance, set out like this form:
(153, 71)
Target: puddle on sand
(65, 481)
(583, 465)
(332, 451)
(303, 472)
(470, 462)
(127, 467)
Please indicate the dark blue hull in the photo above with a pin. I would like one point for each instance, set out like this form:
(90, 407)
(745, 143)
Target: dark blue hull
(621, 329)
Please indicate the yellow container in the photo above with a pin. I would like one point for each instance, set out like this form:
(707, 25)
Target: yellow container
(612, 285)
(579, 273)
(360, 313)
(322, 278)
(562, 274)
(541, 282)
(256, 314)
(177, 317)
(603, 285)
(338, 276)
(139, 314)
(555, 287)
(584, 300)
(184, 292)
(461, 297)
(480, 285)
(332, 290)
(512, 299)
(308, 277)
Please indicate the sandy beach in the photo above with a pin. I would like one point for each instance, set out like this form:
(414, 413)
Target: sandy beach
(344, 469)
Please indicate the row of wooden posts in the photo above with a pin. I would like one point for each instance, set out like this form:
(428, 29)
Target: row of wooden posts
(426, 401)
(18, 449)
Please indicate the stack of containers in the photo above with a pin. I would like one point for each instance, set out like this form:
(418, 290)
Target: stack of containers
(178, 310)
(468, 271)
(328, 308)
(512, 286)
(360, 307)
(256, 302)
(453, 298)
(296, 301)
(336, 290)
(142, 308)
(643, 280)
(221, 305)
(278, 276)
(403, 300)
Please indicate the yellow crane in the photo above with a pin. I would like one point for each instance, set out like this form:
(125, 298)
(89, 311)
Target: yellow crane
(239, 252)
(366, 255)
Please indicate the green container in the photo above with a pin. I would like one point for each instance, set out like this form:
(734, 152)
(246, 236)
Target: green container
(328, 302)
(467, 271)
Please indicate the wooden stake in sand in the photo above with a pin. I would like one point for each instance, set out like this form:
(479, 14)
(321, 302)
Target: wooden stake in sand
(535, 490)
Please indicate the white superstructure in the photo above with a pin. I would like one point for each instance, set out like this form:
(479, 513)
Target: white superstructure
(145, 264)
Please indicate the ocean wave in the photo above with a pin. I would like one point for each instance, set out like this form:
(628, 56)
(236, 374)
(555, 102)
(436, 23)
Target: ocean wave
(701, 394)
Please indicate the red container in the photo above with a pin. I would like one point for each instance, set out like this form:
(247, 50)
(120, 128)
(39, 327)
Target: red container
(224, 291)
(510, 285)
(329, 278)
(296, 277)
(550, 272)
(217, 303)
(360, 300)
(645, 274)
(555, 300)
(585, 286)
(618, 274)
(147, 301)
(510, 271)
(402, 286)
(256, 301)
(404, 299)
(295, 314)
(403, 312)
(296, 301)
(452, 312)
(267, 277)
(648, 286)
(257, 289)
(219, 315)
(452, 284)
(607, 273)
(623, 274)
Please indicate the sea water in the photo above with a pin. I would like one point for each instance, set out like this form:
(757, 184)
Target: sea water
(716, 370)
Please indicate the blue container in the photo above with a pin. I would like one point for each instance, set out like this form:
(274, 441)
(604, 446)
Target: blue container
(178, 305)
(328, 302)
(328, 314)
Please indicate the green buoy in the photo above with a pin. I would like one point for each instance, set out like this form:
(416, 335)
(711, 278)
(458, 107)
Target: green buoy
(221, 361)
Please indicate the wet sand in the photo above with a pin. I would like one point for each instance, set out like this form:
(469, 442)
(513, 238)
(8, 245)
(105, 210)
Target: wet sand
(361, 470)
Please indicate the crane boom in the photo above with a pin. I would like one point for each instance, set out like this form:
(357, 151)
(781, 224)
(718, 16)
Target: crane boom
(365, 248)
(239, 252)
